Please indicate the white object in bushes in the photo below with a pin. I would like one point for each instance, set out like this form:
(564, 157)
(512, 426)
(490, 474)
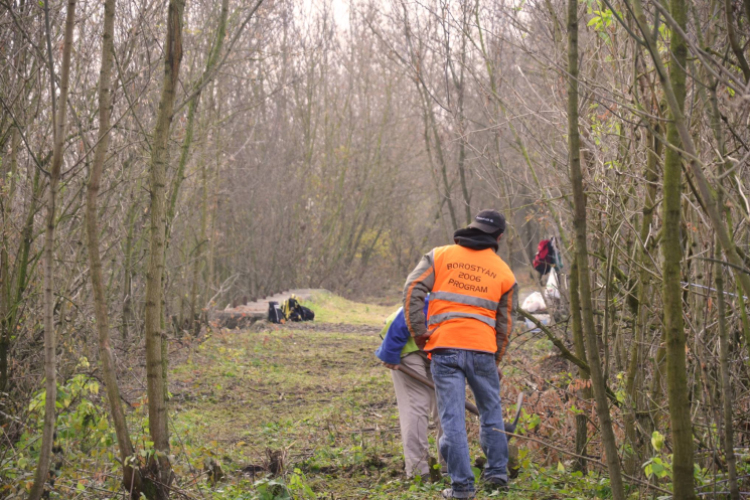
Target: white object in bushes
(552, 291)
(534, 303)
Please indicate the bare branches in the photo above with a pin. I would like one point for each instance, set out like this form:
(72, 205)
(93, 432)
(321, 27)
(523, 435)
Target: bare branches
(214, 68)
(324, 148)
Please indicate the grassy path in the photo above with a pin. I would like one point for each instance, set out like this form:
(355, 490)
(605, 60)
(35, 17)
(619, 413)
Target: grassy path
(315, 394)
(310, 400)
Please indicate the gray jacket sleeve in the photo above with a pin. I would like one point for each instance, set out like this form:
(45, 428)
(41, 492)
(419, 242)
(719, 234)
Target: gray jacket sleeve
(418, 285)
(504, 321)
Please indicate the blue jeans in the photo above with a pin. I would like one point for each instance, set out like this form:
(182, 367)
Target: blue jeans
(451, 369)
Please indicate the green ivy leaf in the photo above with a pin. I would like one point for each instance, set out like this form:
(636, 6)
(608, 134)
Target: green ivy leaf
(657, 440)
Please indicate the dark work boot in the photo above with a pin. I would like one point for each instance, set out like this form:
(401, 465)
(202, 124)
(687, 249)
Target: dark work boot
(495, 484)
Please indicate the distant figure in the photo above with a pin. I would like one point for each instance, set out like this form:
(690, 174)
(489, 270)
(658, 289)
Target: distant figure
(546, 258)
(416, 402)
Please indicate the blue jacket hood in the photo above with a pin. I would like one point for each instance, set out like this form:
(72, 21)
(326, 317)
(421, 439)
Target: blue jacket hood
(396, 337)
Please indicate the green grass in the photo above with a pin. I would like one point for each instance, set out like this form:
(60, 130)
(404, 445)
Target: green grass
(317, 394)
(330, 308)
(320, 396)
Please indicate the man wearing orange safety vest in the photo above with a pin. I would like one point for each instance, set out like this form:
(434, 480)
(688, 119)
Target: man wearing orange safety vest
(472, 298)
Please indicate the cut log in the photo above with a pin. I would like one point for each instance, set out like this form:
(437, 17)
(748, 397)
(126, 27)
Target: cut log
(232, 319)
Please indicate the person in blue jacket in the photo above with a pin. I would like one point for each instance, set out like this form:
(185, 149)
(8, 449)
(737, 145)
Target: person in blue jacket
(416, 402)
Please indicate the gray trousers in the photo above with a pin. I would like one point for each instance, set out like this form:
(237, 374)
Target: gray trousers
(416, 404)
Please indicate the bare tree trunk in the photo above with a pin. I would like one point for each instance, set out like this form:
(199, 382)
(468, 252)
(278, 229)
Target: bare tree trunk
(556, 31)
(462, 154)
(127, 271)
(504, 179)
(50, 340)
(130, 480)
(159, 465)
(198, 258)
(580, 350)
(631, 387)
(6, 286)
(732, 36)
(429, 113)
(211, 62)
(459, 84)
(707, 193)
(677, 390)
(579, 201)
(429, 117)
(726, 385)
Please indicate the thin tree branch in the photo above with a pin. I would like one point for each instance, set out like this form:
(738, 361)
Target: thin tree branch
(209, 77)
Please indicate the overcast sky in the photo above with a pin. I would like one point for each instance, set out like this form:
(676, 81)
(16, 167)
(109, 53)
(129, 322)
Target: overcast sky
(340, 10)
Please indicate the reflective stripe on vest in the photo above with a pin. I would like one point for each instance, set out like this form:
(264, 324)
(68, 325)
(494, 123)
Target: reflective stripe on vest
(469, 300)
(465, 296)
(439, 318)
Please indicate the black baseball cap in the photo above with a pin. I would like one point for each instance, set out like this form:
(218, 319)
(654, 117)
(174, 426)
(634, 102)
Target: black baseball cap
(489, 221)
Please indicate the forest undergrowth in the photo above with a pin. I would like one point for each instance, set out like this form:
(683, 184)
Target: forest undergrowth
(305, 411)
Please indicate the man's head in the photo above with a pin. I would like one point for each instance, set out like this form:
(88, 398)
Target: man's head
(491, 222)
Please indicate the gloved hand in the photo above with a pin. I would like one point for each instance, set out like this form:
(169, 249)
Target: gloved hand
(422, 339)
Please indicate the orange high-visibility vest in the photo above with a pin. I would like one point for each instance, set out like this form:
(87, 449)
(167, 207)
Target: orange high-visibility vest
(464, 300)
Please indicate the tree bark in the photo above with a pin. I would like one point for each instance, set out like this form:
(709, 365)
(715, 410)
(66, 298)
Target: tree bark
(556, 31)
(6, 286)
(198, 258)
(579, 202)
(211, 61)
(677, 390)
(724, 162)
(644, 283)
(707, 193)
(726, 385)
(159, 464)
(127, 271)
(580, 350)
(131, 480)
(50, 340)
(732, 36)
(459, 84)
